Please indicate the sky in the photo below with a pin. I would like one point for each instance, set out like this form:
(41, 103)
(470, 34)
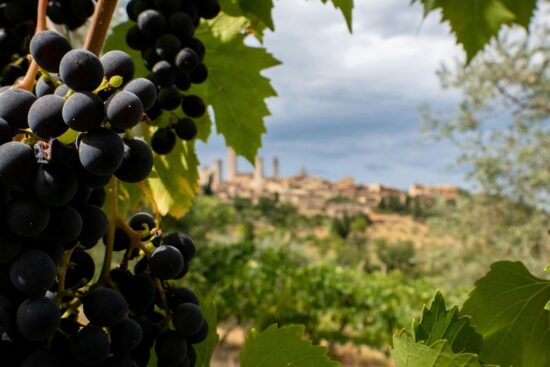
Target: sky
(349, 104)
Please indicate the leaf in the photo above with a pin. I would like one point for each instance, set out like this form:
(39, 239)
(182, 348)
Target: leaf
(507, 307)
(407, 353)
(438, 323)
(175, 184)
(261, 10)
(235, 89)
(523, 9)
(285, 346)
(475, 22)
(205, 349)
(346, 7)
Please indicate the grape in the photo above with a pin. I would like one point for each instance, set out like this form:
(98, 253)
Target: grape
(169, 98)
(81, 272)
(33, 273)
(191, 355)
(167, 6)
(44, 87)
(196, 45)
(41, 358)
(126, 336)
(100, 151)
(97, 197)
(163, 141)
(200, 74)
(150, 57)
(61, 90)
(87, 179)
(124, 110)
(187, 60)
(139, 291)
(208, 9)
(183, 82)
(193, 106)
(50, 246)
(183, 243)
(188, 319)
(6, 314)
(171, 348)
(37, 318)
(177, 296)
(145, 90)
(151, 22)
(94, 225)
(48, 48)
(166, 262)
(55, 184)
(181, 25)
(6, 132)
(82, 9)
(137, 162)
(200, 336)
(81, 70)
(27, 217)
(10, 246)
(90, 345)
(167, 46)
(83, 111)
(135, 7)
(142, 221)
(105, 307)
(135, 39)
(165, 74)
(65, 224)
(15, 104)
(118, 63)
(118, 360)
(186, 129)
(17, 163)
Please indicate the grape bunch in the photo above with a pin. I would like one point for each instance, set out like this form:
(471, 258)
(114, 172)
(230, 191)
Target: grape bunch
(52, 189)
(165, 34)
(17, 26)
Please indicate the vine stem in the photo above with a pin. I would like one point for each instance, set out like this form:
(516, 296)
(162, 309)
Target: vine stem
(111, 210)
(28, 81)
(95, 38)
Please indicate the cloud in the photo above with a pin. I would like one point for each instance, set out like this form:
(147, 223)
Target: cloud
(348, 104)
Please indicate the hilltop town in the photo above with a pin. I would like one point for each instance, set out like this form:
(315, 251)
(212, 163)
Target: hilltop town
(314, 195)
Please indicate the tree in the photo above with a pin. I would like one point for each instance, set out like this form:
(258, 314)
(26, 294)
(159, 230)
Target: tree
(500, 127)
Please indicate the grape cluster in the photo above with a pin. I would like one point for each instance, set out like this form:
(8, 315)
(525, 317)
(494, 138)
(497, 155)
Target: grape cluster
(17, 26)
(165, 34)
(52, 188)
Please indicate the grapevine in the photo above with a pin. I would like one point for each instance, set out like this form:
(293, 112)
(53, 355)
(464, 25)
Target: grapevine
(66, 139)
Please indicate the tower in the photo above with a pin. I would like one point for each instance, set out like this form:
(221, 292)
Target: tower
(259, 171)
(231, 164)
(217, 172)
(276, 168)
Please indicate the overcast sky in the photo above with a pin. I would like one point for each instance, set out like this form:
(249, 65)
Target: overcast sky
(348, 105)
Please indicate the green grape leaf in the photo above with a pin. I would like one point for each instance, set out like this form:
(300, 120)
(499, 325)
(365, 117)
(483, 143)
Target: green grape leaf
(205, 349)
(523, 9)
(439, 323)
(507, 307)
(285, 346)
(235, 88)
(407, 353)
(346, 7)
(475, 22)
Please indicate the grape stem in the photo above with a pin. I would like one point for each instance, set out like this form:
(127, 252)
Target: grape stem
(28, 81)
(95, 38)
(111, 210)
(61, 273)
